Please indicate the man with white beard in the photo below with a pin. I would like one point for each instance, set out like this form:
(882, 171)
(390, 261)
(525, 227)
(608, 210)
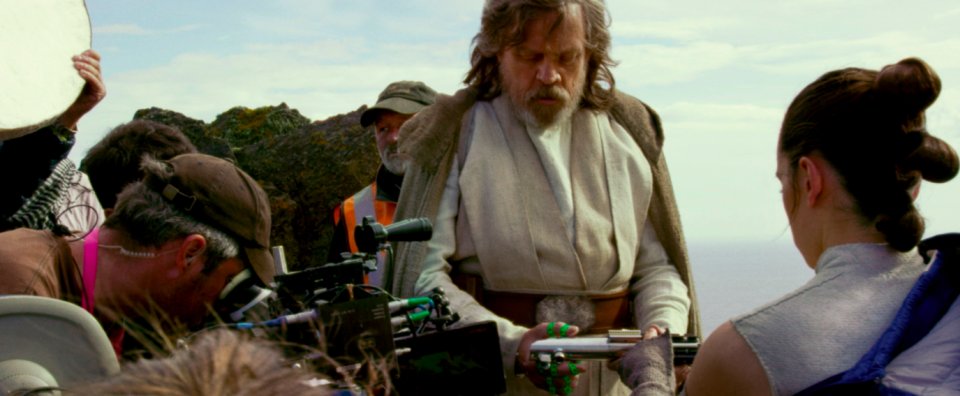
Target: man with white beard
(396, 104)
(549, 193)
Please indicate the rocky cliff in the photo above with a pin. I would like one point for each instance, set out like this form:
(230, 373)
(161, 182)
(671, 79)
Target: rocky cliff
(305, 167)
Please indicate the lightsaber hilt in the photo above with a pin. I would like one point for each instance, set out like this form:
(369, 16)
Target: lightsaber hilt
(560, 350)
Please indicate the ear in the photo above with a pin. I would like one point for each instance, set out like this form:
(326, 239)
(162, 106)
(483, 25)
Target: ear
(187, 257)
(811, 183)
(107, 212)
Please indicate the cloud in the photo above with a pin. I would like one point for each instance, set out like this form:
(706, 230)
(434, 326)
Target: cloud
(661, 64)
(311, 77)
(943, 118)
(429, 20)
(133, 29)
(872, 52)
(121, 29)
(677, 29)
(952, 12)
(722, 159)
(294, 27)
(658, 64)
(720, 117)
(186, 28)
(454, 53)
(331, 50)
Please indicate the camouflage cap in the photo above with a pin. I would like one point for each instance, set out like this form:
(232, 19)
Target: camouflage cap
(223, 196)
(404, 97)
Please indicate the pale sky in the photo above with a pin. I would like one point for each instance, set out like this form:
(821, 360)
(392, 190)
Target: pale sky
(720, 74)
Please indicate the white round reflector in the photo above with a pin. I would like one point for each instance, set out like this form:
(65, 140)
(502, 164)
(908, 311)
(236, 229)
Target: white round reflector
(38, 39)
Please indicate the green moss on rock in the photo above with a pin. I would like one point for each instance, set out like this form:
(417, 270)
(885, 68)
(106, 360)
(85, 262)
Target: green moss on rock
(306, 168)
(242, 126)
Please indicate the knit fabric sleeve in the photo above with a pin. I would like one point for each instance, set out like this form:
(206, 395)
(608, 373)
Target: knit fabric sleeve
(647, 368)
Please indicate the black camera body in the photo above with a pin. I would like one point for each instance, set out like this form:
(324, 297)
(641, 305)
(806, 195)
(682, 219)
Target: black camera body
(357, 332)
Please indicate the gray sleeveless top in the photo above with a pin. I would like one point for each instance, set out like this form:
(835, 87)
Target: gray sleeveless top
(824, 327)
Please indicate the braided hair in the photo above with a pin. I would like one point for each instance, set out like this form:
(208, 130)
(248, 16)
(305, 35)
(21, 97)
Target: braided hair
(870, 126)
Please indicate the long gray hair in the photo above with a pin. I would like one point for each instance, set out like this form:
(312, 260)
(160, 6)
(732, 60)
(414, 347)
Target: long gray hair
(502, 27)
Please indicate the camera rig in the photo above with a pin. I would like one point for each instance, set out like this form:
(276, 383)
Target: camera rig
(356, 330)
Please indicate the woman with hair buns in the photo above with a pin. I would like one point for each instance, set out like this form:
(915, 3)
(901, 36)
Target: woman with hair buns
(852, 151)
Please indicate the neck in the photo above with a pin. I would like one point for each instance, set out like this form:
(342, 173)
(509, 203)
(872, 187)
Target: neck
(841, 229)
(388, 185)
(111, 282)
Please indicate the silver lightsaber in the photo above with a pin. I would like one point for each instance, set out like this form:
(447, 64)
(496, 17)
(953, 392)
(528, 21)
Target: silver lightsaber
(559, 350)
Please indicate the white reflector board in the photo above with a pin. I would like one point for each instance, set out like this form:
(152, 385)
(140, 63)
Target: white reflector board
(38, 39)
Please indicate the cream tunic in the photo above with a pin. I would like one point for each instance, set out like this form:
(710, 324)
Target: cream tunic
(660, 295)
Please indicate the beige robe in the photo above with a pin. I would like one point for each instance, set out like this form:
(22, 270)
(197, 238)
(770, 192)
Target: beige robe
(431, 139)
(513, 224)
(509, 227)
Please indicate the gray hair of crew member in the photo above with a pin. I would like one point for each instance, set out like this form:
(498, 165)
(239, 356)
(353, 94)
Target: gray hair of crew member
(501, 27)
(149, 220)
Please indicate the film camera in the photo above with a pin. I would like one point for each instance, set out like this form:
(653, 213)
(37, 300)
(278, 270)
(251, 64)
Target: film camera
(359, 333)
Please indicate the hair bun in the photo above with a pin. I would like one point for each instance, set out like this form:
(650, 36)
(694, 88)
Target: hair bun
(909, 143)
(903, 232)
(935, 160)
(908, 87)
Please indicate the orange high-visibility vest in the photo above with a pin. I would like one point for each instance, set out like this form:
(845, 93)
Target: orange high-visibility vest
(355, 208)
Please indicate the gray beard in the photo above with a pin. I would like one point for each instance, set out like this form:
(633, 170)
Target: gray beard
(395, 166)
(528, 118)
(543, 119)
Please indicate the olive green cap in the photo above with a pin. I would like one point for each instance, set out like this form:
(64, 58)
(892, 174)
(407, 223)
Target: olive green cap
(404, 97)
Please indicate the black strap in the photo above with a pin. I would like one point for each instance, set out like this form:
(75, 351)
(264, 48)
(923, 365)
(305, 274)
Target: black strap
(948, 244)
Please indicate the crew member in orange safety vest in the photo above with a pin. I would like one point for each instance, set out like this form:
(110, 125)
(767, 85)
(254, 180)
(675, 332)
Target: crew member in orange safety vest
(396, 104)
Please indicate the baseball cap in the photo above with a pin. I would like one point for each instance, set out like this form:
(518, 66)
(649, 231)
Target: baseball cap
(404, 97)
(223, 196)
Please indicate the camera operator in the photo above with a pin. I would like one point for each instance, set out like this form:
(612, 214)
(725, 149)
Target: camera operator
(172, 244)
(399, 102)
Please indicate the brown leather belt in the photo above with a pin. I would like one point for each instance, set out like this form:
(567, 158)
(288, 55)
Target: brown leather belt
(613, 311)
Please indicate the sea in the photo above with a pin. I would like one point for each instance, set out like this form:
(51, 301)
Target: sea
(732, 279)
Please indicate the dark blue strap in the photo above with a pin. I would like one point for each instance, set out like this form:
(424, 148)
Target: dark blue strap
(941, 292)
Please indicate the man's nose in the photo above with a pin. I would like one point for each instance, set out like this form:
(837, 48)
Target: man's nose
(393, 134)
(547, 73)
